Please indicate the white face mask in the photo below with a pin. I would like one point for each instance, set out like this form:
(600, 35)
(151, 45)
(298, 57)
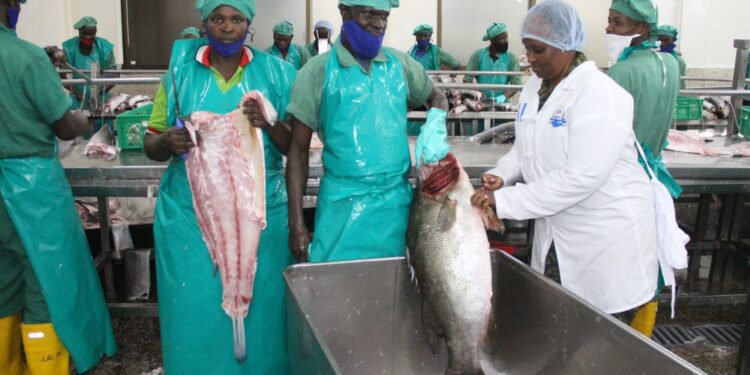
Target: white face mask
(616, 44)
(323, 45)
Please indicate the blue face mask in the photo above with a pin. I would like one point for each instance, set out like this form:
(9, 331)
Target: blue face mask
(423, 44)
(365, 45)
(13, 14)
(668, 48)
(226, 50)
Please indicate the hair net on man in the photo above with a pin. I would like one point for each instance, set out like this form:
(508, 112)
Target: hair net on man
(638, 10)
(556, 23)
(284, 28)
(190, 31)
(667, 30)
(494, 30)
(324, 24)
(85, 22)
(246, 7)
(377, 4)
(423, 28)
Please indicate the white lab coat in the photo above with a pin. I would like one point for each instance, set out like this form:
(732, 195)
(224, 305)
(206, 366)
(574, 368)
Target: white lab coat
(585, 188)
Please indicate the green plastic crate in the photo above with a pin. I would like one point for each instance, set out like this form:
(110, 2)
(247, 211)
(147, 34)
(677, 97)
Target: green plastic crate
(131, 127)
(688, 108)
(745, 122)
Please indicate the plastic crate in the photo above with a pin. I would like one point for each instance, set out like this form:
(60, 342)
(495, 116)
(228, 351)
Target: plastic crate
(131, 127)
(744, 121)
(688, 108)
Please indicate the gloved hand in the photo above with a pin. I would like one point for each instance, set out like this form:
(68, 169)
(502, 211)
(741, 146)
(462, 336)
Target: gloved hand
(432, 143)
(501, 99)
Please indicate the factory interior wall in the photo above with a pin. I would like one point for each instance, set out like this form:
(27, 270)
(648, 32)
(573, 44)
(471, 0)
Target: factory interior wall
(708, 27)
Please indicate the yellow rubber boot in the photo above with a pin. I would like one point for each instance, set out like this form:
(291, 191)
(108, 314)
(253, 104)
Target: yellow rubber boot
(45, 354)
(10, 345)
(645, 319)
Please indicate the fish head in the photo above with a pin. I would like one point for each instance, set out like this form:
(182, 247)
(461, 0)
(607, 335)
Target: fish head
(437, 179)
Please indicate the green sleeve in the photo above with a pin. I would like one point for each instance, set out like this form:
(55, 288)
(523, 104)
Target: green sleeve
(307, 93)
(111, 63)
(514, 66)
(158, 120)
(619, 73)
(419, 83)
(683, 71)
(42, 88)
(473, 65)
(304, 55)
(447, 60)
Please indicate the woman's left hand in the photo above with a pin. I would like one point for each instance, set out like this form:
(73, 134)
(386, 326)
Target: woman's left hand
(483, 198)
(251, 109)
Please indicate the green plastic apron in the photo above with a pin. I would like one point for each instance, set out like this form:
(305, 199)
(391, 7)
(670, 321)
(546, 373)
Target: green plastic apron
(292, 55)
(429, 60)
(41, 207)
(99, 54)
(363, 205)
(196, 333)
(487, 64)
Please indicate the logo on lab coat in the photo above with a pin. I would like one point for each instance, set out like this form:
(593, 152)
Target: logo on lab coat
(558, 119)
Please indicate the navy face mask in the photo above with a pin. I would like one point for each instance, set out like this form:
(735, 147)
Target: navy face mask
(226, 50)
(423, 44)
(668, 48)
(365, 45)
(13, 14)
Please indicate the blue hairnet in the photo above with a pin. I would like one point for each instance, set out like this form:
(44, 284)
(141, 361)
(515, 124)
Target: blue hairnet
(556, 23)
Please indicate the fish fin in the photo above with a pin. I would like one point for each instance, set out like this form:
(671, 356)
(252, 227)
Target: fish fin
(491, 221)
(238, 327)
(447, 215)
(433, 331)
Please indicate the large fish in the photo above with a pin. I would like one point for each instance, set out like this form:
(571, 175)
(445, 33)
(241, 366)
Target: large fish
(450, 256)
(226, 172)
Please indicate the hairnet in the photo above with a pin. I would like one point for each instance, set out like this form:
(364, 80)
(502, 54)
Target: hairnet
(246, 7)
(423, 28)
(494, 30)
(556, 23)
(326, 24)
(85, 22)
(377, 4)
(284, 28)
(638, 10)
(190, 31)
(667, 30)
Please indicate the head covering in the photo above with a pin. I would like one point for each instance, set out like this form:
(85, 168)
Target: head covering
(423, 28)
(246, 7)
(377, 4)
(284, 28)
(494, 30)
(638, 10)
(190, 31)
(556, 23)
(85, 22)
(667, 30)
(326, 24)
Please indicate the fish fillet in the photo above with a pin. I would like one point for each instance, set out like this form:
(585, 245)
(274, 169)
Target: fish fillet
(226, 171)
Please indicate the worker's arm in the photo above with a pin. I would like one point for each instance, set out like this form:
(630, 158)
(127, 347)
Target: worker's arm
(296, 180)
(437, 99)
(161, 141)
(280, 134)
(71, 125)
(473, 65)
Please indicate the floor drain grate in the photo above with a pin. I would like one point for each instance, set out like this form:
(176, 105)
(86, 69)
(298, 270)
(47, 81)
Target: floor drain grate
(717, 334)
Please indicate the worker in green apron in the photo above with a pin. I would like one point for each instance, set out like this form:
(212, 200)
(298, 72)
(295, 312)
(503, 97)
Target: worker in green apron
(667, 35)
(84, 50)
(653, 79)
(51, 302)
(430, 56)
(211, 75)
(283, 48)
(495, 58)
(356, 98)
(190, 33)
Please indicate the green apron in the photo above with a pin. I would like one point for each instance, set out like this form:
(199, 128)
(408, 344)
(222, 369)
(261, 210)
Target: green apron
(100, 54)
(293, 55)
(487, 64)
(363, 205)
(41, 207)
(430, 59)
(196, 333)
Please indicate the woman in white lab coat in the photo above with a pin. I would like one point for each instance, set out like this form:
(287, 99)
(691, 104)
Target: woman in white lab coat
(575, 150)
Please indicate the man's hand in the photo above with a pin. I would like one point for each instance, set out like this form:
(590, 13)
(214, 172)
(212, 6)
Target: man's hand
(299, 242)
(252, 110)
(491, 182)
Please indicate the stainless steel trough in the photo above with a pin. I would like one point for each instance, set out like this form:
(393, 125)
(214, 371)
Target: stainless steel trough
(364, 318)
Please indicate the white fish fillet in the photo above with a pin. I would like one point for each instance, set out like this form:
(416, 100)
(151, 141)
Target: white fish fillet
(226, 171)
(100, 145)
(681, 141)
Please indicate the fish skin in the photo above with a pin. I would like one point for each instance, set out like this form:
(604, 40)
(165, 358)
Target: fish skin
(450, 256)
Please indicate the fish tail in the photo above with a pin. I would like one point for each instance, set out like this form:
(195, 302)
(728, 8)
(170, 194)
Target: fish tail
(238, 328)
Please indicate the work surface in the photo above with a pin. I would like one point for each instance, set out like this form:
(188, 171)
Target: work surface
(133, 174)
